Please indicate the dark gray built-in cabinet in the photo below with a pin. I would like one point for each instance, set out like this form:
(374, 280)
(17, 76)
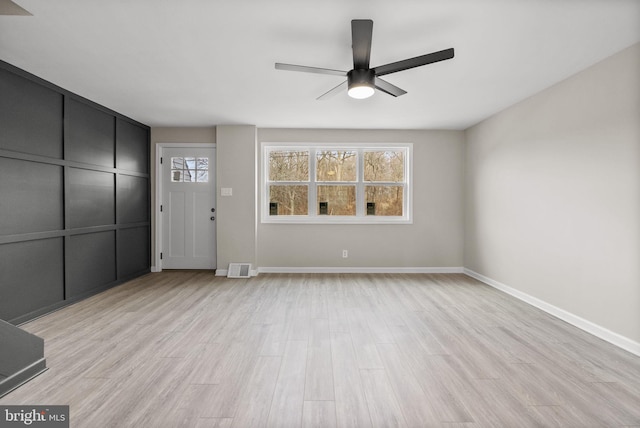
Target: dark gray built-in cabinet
(74, 197)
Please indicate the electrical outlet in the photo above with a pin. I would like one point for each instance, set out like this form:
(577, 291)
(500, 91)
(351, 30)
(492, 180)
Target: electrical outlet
(345, 254)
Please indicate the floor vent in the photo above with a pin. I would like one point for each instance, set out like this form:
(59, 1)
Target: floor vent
(239, 270)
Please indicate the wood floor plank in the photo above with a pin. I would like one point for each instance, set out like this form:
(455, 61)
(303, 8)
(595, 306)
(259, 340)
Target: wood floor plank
(275, 339)
(430, 372)
(230, 378)
(338, 321)
(184, 349)
(363, 341)
(254, 406)
(418, 411)
(319, 305)
(555, 416)
(213, 423)
(351, 405)
(625, 405)
(423, 329)
(383, 405)
(288, 397)
(319, 373)
(319, 414)
(206, 363)
(131, 401)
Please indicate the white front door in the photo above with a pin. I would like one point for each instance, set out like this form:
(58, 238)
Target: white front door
(188, 208)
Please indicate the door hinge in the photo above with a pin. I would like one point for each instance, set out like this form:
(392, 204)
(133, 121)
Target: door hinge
(160, 256)
(160, 208)
(160, 159)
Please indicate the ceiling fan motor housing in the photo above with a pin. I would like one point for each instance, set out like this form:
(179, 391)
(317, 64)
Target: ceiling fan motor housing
(361, 78)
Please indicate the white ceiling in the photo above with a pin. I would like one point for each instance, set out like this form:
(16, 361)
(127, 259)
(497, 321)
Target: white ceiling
(209, 62)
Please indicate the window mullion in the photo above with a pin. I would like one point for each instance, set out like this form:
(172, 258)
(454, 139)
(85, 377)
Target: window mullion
(313, 191)
(360, 194)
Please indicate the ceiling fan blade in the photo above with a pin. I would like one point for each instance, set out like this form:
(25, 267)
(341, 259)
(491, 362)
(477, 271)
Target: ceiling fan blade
(7, 7)
(332, 92)
(388, 88)
(305, 69)
(414, 62)
(361, 34)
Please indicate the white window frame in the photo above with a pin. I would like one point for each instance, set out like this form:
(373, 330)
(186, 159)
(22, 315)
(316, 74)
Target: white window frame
(360, 217)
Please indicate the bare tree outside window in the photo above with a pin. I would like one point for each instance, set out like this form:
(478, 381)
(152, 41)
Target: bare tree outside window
(384, 167)
(387, 199)
(341, 200)
(336, 165)
(291, 200)
(289, 167)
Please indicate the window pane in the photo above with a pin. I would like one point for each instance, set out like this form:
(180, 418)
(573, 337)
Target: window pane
(286, 165)
(203, 176)
(384, 200)
(336, 165)
(177, 163)
(290, 200)
(189, 175)
(336, 200)
(202, 163)
(387, 165)
(190, 163)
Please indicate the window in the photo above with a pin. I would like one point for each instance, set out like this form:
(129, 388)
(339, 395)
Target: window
(336, 183)
(189, 170)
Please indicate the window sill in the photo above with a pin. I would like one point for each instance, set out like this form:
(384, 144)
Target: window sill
(336, 220)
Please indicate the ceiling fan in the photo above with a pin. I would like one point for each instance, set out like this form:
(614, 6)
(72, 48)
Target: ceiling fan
(362, 80)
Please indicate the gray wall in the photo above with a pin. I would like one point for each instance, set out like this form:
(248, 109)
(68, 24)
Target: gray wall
(553, 195)
(434, 240)
(236, 169)
(74, 197)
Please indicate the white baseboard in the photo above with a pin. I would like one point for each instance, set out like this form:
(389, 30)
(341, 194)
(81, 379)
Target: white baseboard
(583, 324)
(361, 270)
(255, 272)
(155, 269)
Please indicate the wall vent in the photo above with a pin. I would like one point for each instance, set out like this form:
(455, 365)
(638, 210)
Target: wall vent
(239, 270)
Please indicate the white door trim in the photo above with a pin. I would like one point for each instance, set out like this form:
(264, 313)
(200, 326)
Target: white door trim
(158, 194)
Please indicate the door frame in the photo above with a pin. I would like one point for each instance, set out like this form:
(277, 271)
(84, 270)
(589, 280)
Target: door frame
(157, 262)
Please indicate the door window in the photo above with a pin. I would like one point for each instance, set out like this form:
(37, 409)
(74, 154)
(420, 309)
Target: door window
(189, 170)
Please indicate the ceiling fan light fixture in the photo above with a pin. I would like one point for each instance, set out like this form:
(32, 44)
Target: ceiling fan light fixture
(360, 92)
(360, 83)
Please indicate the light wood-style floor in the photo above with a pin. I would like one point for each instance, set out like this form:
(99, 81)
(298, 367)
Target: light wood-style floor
(188, 349)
